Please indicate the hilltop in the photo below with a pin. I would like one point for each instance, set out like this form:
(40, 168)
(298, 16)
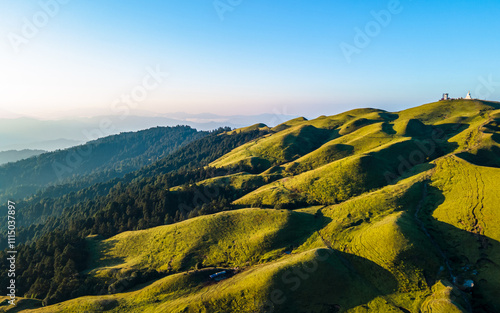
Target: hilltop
(364, 211)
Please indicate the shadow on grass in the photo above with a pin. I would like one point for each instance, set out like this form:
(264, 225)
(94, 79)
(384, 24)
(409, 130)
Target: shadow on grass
(483, 157)
(100, 255)
(389, 116)
(329, 282)
(298, 228)
(469, 255)
(448, 130)
(388, 129)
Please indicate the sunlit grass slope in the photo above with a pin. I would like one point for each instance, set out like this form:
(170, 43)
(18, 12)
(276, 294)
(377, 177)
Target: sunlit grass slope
(463, 213)
(228, 239)
(287, 285)
(280, 147)
(380, 227)
(382, 277)
(359, 141)
(439, 112)
(239, 180)
(339, 180)
(259, 126)
(396, 212)
(298, 137)
(445, 298)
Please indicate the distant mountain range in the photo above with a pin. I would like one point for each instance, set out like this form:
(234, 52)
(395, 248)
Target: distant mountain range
(30, 133)
(95, 161)
(16, 155)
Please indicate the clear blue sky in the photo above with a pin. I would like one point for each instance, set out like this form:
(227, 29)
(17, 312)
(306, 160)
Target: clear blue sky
(264, 56)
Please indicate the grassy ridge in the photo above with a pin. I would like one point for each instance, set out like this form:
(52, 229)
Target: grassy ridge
(340, 180)
(411, 243)
(279, 148)
(298, 137)
(247, 292)
(228, 239)
(462, 211)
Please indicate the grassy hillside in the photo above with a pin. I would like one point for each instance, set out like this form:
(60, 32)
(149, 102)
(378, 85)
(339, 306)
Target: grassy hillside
(227, 239)
(278, 148)
(463, 215)
(339, 180)
(365, 211)
(298, 137)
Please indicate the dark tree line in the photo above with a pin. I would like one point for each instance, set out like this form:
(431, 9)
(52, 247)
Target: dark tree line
(49, 268)
(93, 162)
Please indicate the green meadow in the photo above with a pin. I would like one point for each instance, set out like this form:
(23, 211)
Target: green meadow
(365, 211)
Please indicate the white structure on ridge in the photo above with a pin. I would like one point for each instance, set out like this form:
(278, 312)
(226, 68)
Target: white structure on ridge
(446, 96)
(468, 97)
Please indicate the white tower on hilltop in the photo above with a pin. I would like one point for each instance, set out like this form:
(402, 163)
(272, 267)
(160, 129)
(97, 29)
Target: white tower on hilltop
(468, 97)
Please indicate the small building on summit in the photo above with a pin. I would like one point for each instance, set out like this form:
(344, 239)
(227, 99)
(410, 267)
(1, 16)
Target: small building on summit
(446, 97)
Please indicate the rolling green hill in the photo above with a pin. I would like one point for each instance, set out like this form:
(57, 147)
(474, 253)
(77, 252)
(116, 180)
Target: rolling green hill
(365, 211)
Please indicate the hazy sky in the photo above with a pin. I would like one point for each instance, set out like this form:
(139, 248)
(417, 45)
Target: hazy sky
(243, 56)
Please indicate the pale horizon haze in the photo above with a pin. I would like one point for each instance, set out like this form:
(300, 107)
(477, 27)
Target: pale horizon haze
(60, 59)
